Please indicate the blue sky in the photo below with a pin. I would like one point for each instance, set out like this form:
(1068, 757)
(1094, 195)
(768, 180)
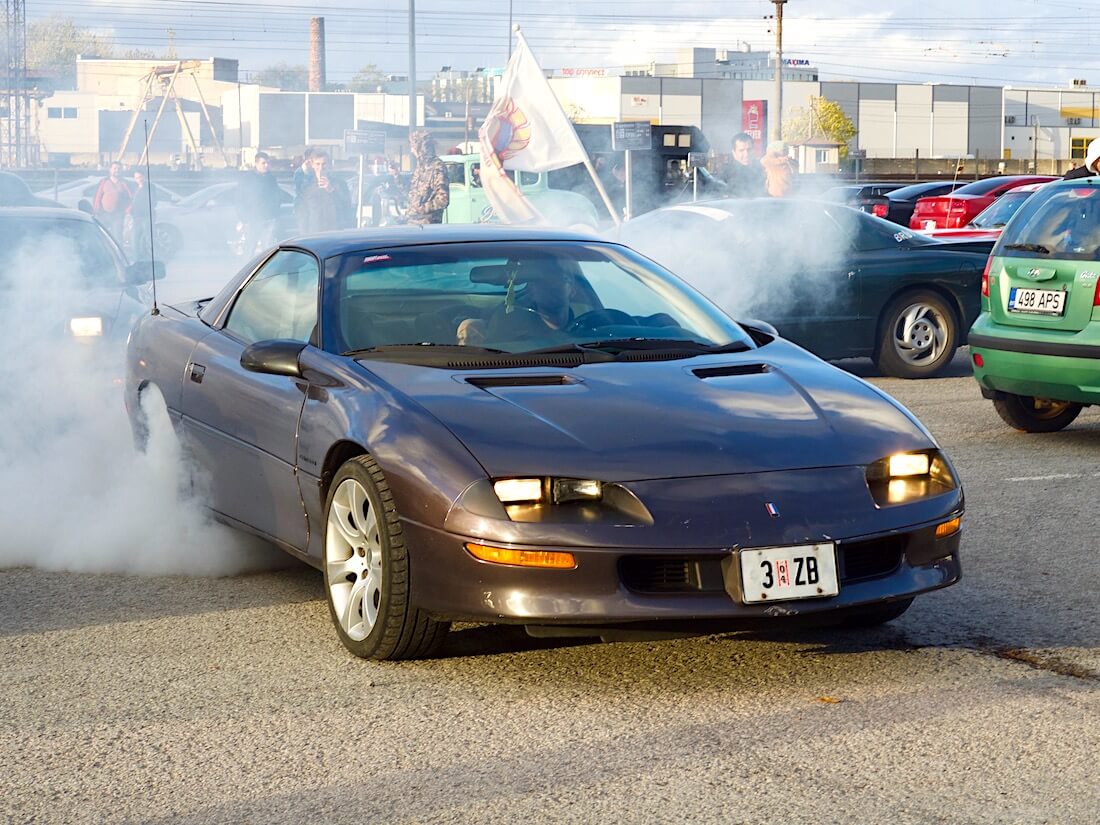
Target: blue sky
(1014, 42)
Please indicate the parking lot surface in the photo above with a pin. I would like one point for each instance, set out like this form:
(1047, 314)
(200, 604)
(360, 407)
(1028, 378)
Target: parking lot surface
(214, 700)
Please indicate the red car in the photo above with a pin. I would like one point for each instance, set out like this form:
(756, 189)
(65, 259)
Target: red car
(964, 204)
(988, 225)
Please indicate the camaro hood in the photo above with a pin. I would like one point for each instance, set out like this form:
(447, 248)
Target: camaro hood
(770, 409)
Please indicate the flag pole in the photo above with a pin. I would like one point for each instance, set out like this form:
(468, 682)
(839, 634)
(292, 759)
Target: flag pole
(587, 161)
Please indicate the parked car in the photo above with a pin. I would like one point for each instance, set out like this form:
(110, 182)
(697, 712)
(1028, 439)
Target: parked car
(837, 281)
(988, 225)
(208, 220)
(898, 205)
(469, 203)
(15, 192)
(80, 193)
(90, 292)
(964, 204)
(861, 196)
(1036, 345)
(573, 471)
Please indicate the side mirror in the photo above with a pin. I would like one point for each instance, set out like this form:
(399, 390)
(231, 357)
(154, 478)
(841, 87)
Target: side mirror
(755, 325)
(85, 206)
(142, 272)
(275, 357)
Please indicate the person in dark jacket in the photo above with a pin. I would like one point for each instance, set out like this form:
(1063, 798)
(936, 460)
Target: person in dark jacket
(258, 205)
(323, 204)
(429, 192)
(746, 175)
(1091, 166)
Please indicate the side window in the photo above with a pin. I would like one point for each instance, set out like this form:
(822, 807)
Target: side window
(279, 302)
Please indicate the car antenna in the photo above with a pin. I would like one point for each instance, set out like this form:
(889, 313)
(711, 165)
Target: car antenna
(152, 224)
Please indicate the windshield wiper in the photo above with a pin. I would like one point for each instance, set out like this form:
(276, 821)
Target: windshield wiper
(631, 344)
(426, 345)
(1029, 247)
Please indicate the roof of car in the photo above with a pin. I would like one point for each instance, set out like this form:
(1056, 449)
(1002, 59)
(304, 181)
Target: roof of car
(45, 213)
(327, 244)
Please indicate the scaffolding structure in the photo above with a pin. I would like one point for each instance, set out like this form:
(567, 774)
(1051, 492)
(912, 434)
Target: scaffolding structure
(161, 82)
(15, 106)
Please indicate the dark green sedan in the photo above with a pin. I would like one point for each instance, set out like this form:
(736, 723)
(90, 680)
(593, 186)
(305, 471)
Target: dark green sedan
(839, 282)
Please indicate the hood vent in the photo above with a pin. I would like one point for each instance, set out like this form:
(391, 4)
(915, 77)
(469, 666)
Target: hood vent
(568, 359)
(487, 382)
(731, 369)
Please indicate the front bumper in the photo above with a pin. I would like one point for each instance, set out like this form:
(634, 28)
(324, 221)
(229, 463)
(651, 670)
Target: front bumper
(617, 586)
(1058, 366)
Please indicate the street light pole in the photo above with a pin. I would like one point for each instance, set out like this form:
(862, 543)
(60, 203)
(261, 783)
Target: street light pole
(412, 77)
(777, 119)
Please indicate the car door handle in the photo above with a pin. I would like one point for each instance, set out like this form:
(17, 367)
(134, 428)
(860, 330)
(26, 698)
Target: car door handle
(197, 372)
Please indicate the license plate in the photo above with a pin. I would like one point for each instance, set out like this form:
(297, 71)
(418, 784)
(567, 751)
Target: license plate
(928, 224)
(775, 574)
(1037, 301)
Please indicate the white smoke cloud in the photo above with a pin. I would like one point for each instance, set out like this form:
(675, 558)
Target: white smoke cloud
(77, 495)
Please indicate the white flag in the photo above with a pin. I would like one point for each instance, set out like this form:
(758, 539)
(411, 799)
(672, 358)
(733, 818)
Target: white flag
(525, 130)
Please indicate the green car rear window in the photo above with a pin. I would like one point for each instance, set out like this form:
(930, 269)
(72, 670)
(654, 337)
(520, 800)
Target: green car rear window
(1057, 222)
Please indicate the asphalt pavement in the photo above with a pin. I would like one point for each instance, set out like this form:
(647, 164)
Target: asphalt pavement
(224, 700)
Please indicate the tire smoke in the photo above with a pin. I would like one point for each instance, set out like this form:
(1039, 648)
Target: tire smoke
(77, 495)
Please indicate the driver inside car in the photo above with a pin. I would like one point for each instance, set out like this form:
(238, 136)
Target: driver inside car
(541, 309)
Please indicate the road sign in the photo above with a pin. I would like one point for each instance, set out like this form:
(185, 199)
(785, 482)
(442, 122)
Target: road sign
(696, 159)
(631, 136)
(364, 142)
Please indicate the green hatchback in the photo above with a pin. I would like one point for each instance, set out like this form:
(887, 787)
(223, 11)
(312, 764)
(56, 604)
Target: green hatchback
(1035, 347)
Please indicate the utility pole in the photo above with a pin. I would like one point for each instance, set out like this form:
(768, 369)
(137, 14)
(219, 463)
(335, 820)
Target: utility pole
(777, 117)
(15, 151)
(412, 78)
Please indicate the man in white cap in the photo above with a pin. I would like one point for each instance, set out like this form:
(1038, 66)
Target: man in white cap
(1091, 165)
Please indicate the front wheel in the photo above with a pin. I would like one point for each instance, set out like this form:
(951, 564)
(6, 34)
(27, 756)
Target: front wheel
(1035, 415)
(919, 336)
(366, 567)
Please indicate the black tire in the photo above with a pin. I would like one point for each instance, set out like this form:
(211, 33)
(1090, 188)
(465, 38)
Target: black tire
(876, 614)
(1035, 415)
(400, 630)
(928, 324)
(169, 240)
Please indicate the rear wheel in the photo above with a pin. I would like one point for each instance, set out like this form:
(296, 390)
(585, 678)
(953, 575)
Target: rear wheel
(1036, 415)
(919, 336)
(366, 566)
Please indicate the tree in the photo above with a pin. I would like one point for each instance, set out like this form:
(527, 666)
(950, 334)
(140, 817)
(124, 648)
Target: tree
(367, 79)
(53, 44)
(822, 119)
(282, 75)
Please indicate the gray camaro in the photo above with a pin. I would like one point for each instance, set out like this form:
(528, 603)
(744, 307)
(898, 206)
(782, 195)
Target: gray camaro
(537, 427)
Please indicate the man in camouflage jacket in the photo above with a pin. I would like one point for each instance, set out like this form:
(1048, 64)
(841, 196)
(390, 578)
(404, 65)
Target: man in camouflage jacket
(429, 192)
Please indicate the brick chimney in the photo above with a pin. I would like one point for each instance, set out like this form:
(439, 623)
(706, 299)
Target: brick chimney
(317, 54)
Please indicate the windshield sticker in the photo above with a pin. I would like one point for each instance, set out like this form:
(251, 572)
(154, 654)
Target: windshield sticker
(374, 259)
(902, 236)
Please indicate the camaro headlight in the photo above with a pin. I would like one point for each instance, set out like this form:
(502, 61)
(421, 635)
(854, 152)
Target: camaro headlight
(905, 477)
(85, 327)
(546, 490)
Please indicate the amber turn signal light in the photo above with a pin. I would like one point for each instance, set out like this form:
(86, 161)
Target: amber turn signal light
(948, 528)
(522, 558)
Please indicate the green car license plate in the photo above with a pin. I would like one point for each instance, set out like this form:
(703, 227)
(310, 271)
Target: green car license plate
(1037, 301)
(774, 574)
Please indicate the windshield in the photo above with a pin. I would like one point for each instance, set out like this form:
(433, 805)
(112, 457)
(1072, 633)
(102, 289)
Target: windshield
(57, 253)
(514, 297)
(998, 213)
(1057, 221)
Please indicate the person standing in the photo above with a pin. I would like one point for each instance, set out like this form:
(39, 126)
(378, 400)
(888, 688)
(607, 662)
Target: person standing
(1091, 166)
(779, 170)
(258, 205)
(429, 192)
(746, 175)
(323, 203)
(143, 213)
(304, 173)
(112, 200)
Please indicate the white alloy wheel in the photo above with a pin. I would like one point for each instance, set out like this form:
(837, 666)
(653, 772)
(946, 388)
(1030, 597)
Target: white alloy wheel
(353, 559)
